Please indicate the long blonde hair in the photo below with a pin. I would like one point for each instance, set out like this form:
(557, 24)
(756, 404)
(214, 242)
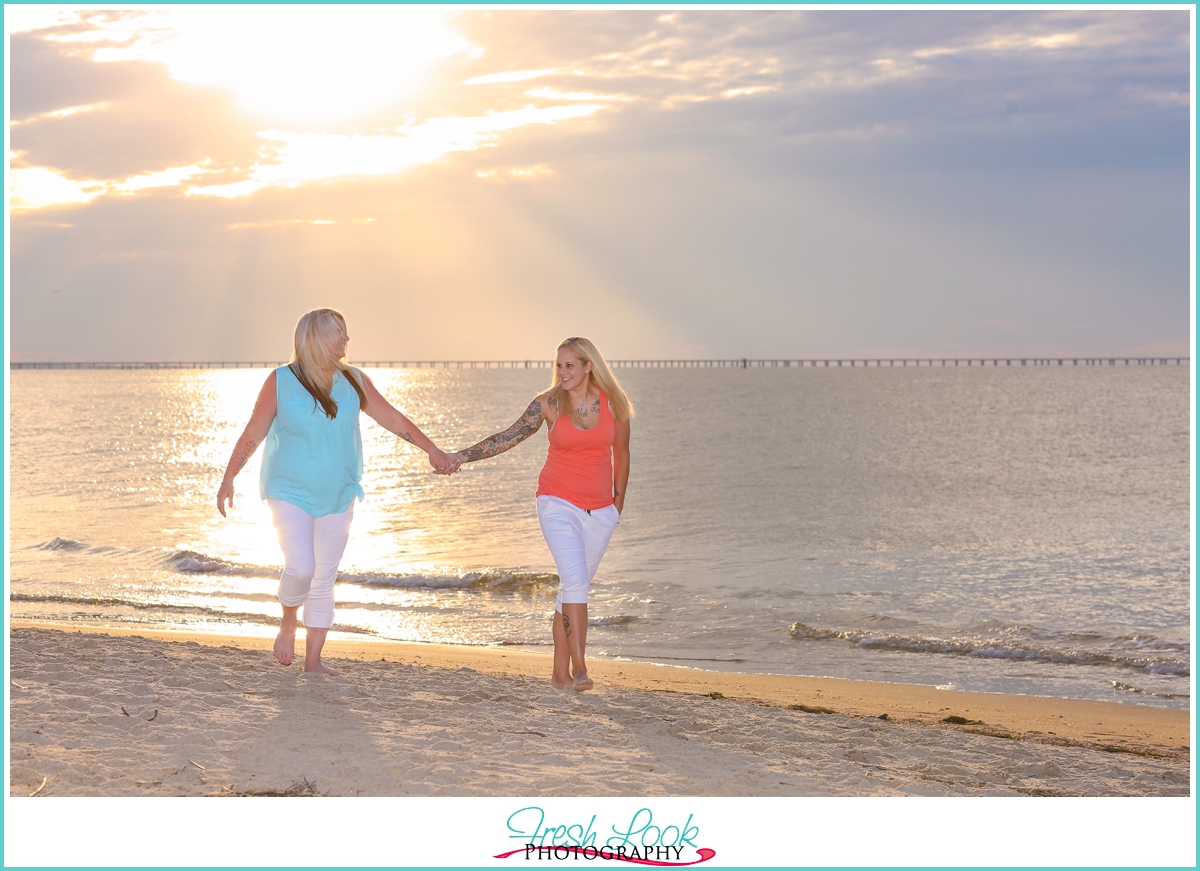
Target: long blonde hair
(313, 363)
(601, 374)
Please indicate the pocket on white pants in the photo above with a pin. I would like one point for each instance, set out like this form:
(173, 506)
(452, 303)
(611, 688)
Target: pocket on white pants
(610, 515)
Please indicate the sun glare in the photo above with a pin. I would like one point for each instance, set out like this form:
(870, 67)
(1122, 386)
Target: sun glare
(307, 64)
(299, 72)
(36, 188)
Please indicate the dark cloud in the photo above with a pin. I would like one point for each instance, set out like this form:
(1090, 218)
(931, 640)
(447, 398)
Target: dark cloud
(151, 121)
(1116, 97)
(45, 76)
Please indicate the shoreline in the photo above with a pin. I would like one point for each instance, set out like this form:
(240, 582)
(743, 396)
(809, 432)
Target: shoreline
(1105, 726)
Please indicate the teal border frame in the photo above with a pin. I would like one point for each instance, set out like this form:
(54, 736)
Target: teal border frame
(5, 344)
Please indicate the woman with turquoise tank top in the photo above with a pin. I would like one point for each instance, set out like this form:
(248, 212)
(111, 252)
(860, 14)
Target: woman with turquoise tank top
(307, 414)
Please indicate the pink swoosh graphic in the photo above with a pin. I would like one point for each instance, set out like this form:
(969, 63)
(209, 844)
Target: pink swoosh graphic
(705, 855)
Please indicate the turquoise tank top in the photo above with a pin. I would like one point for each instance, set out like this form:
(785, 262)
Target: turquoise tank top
(309, 460)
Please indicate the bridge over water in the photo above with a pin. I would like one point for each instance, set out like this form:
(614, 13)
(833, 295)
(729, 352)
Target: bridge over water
(743, 363)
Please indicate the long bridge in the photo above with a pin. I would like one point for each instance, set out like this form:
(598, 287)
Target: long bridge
(743, 363)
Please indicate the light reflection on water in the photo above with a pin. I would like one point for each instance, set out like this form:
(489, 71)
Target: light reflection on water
(912, 521)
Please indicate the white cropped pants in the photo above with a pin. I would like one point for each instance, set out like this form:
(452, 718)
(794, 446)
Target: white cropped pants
(312, 548)
(577, 541)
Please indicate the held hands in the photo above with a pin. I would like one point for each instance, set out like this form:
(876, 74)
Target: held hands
(224, 495)
(443, 463)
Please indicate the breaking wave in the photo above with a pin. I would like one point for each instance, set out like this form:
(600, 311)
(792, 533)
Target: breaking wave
(67, 544)
(1139, 652)
(615, 620)
(490, 580)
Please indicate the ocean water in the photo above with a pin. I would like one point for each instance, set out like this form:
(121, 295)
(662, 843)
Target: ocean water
(1018, 530)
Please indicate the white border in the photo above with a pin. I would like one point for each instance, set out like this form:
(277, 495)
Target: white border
(468, 832)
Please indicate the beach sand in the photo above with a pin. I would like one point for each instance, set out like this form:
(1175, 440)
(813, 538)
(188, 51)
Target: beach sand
(120, 712)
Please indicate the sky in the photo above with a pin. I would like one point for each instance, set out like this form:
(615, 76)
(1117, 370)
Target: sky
(478, 183)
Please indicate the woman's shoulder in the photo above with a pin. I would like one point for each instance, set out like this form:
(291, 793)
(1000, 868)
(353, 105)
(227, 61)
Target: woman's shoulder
(547, 403)
(356, 374)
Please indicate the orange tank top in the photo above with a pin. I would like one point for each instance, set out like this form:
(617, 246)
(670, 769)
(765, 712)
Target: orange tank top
(579, 466)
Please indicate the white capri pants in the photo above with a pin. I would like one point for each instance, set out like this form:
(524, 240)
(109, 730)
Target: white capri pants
(312, 548)
(577, 541)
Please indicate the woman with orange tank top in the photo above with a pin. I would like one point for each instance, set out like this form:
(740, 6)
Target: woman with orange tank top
(581, 489)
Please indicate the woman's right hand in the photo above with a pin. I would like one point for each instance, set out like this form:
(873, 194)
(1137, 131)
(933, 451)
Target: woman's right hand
(224, 494)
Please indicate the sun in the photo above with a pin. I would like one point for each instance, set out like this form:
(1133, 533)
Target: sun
(304, 64)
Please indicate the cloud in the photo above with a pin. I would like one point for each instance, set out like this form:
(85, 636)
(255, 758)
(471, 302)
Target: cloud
(47, 77)
(108, 122)
(833, 70)
(307, 157)
(750, 182)
(168, 178)
(60, 113)
(144, 129)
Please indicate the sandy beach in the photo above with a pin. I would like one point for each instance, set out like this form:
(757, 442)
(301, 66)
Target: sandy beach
(116, 713)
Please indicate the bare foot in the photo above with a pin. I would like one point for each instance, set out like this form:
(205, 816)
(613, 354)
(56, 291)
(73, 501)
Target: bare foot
(285, 647)
(321, 668)
(561, 684)
(583, 682)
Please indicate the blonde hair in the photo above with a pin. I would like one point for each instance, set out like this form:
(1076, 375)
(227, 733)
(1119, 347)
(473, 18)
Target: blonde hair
(601, 374)
(313, 363)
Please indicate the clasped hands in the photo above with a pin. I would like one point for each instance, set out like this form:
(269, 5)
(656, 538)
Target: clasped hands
(444, 463)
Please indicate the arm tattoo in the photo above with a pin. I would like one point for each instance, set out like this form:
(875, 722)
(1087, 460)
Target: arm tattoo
(529, 423)
(406, 437)
(240, 459)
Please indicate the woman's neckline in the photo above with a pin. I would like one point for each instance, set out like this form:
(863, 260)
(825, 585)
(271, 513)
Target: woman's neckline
(603, 399)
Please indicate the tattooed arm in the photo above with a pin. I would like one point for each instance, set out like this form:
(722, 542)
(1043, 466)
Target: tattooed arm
(252, 436)
(527, 424)
(390, 418)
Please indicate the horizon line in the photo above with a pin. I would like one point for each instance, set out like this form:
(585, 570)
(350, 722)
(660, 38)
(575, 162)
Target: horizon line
(647, 363)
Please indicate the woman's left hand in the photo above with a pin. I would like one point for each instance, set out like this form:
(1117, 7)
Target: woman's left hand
(619, 501)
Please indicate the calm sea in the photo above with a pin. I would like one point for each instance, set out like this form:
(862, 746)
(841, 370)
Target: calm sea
(1018, 530)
